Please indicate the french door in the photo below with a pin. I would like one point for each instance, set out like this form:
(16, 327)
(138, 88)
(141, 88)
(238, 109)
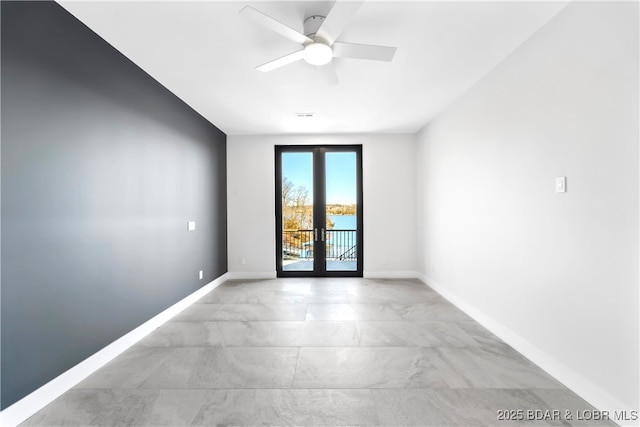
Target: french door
(319, 210)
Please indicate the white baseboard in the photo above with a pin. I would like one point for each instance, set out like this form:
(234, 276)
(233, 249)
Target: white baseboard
(391, 275)
(251, 275)
(38, 399)
(593, 394)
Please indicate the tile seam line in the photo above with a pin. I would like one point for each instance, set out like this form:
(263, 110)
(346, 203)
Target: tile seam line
(295, 369)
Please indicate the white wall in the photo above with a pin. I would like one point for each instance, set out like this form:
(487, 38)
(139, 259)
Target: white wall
(389, 202)
(554, 274)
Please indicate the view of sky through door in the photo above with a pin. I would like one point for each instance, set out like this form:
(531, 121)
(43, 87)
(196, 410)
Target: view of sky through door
(341, 213)
(341, 175)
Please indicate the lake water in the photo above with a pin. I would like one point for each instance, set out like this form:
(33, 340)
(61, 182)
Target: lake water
(344, 222)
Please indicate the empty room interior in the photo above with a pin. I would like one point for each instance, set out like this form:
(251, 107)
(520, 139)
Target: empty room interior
(320, 213)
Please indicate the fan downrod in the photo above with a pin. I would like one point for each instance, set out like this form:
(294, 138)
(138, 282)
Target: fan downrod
(312, 25)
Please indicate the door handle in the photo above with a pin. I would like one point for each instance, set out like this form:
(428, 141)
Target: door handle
(322, 234)
(315, 234)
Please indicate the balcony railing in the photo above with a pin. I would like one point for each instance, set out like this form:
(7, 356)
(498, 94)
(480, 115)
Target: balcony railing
(340, 244)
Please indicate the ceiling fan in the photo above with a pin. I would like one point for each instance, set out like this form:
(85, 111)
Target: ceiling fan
(319, 45)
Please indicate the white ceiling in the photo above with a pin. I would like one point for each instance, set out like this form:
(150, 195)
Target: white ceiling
(205, 53)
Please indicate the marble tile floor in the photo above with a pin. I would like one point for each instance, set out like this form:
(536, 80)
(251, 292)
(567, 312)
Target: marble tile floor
(318, 352)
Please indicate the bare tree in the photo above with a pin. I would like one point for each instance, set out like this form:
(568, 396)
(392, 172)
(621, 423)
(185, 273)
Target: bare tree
(296, 209)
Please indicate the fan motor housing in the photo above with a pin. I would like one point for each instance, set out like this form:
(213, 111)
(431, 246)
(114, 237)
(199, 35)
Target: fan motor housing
(312, 25)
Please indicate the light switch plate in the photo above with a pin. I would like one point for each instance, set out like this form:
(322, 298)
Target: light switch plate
(191, 225)
(561, 184)
(200, 275)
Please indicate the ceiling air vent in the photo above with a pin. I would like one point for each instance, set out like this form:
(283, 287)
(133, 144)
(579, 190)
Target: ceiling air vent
(304, 115)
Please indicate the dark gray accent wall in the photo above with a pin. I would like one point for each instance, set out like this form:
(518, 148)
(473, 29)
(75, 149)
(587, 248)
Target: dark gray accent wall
(102, 167)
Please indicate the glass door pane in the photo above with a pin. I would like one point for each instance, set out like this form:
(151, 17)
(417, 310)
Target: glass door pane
(341, 211)
(297, 211)
(319, 211)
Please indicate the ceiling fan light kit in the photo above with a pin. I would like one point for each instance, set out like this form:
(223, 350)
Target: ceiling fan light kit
(319, 45)
(318, 53)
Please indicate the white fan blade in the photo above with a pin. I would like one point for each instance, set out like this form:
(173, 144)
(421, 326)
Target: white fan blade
(338, 18)
(274, 25)
(280, 62)
(328, 71)
(363, 51)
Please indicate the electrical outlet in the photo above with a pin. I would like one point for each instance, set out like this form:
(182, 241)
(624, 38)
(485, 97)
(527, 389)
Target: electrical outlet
(191, 225)
(561, 184)
(201, 274)
(243, 261)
